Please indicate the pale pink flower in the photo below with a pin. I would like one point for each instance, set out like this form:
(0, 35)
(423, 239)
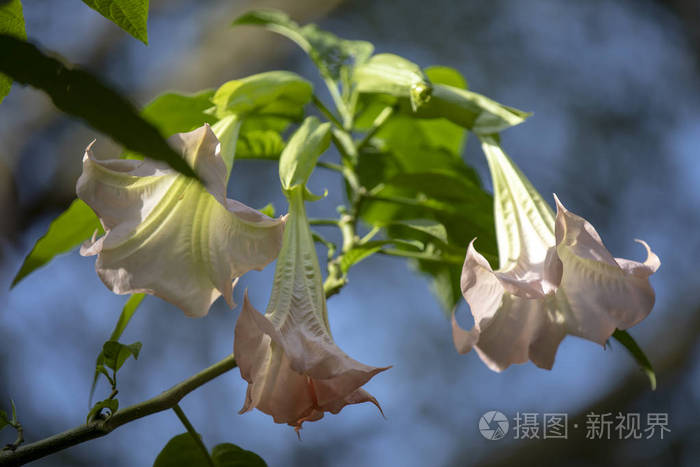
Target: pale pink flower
(555, 278)
(170, 236)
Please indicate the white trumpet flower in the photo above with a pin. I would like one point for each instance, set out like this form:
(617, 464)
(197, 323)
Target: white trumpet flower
(167, 234)
(555, 278)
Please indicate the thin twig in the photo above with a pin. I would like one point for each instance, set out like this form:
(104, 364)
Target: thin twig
(97, 428)
(325, 111)
(376, 126)
(190, 429)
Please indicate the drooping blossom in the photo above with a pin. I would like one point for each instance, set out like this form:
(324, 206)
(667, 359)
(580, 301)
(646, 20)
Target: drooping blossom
(294, 369)
(555, 278)
(167, 234)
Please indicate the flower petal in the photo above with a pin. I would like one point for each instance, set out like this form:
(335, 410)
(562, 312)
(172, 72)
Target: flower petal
(523, 220)
(603, 293)
(166, 234)
(268, 360)
(507, 328)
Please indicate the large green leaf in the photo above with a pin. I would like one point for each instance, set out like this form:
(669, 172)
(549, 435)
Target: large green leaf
(332, 55)
(81, 94)
(258, 144)
(266, 103)
(280, 93)
(75, 225)
(470, 110)
(230, 455)
(12, 23)
(178, 113)
(181, 450)
(130, 15)
(413, 169)
(393, 75)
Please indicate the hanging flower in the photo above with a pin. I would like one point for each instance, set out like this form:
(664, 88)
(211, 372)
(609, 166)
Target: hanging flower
(294, 369)
(555, 278)
(169, 236)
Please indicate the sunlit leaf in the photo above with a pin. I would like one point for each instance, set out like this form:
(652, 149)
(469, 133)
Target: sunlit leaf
(71, 228)
(130, 15)
(230, 455)
(331, 54)
(81, 94)
(414, 170)
(393, 75)
(116, 353)
(357, 254)
(624, 338)
(181, 450)
(427, 227)
(179, 113)
(446, 75)
(301, 153)
(471, 110)
(12, 23)
(279, 93)
(259, 144)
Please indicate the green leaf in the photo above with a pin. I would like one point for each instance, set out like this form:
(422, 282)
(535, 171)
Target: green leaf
(178, 113)
(127, 313)
(71, 228)
(115, 353)
(280, 93)
(393, 75)
(470, 110)
(181, 450)
(11, 23)
(299, 157)
(624, 338)
(230, 455)
(268, 210)
(423, 227)
(332, 55)
(130, 15)
(81, 94)
(357, 254)
(446, 75)
(111, 404)
(413, 170)
(259, 144)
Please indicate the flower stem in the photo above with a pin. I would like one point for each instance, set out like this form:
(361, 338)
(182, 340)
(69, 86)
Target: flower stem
(190, 429)
(100, 427)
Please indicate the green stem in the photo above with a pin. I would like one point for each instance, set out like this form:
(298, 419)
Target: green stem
(333, 222)
(376, 125)
(190, 429)
(100, 427)
(330, 166)
(325, 111)
(422, 256)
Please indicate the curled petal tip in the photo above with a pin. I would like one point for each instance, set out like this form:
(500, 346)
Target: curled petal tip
(558, 203)
(653, 262)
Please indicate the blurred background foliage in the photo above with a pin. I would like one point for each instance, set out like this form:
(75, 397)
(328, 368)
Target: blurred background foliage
(614, 87)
